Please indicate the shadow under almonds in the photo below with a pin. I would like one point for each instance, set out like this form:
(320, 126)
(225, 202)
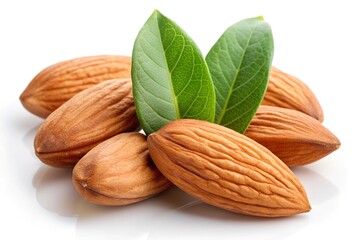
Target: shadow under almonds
(174, 214)
(55, 192)
(132, 221)
(199, 219)
(318, 188)
(321, 192)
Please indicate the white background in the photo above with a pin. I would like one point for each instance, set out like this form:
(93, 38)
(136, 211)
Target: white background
(317, 41)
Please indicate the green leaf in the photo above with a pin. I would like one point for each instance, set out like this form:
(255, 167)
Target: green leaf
(239, 64)
(170, 76)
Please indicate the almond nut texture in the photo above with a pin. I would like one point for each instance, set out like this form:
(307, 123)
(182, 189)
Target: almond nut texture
(119, 171)
(84, 121)
(288, 91)
(226, 169)
(59, 82)
(296, 138)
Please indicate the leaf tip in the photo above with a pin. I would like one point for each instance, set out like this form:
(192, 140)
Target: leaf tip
(157, 13)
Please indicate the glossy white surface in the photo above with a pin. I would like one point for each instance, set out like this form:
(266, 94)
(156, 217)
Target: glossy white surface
(318, 41)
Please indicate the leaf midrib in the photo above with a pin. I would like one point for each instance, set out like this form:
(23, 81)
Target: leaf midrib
(223, 111)
(176, 106)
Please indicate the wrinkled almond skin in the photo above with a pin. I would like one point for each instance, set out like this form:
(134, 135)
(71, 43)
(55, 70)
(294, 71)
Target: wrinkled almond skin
(118, 171)
(294, 137)
(226, 169)
(84, 121)
(57, 83)
(288, 91)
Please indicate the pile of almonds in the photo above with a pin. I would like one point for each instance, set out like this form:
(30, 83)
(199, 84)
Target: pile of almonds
(91, 125)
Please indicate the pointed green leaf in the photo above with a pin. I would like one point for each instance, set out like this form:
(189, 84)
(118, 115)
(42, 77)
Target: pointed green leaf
(170, 76)
(239, 64)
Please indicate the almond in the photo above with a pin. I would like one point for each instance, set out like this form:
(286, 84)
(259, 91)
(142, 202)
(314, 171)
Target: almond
(59, 82)
(118, 171)
(294, 137)
(226, 169)
(84, 121)
(287, 91)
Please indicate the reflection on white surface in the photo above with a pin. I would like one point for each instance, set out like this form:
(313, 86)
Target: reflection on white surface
(318, 188)
(172, 214)
(201, 219)
(55, 192)
(133, 221)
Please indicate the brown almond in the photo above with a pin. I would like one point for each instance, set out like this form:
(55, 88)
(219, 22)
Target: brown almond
(294, 137)
(57, 83)
(118, 171)
(287, 91)
(226, 169)
(87, 119)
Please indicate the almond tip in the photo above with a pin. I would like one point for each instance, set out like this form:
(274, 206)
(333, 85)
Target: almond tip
(336, 144)
(22, 97)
